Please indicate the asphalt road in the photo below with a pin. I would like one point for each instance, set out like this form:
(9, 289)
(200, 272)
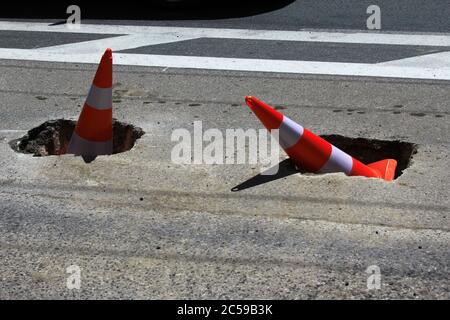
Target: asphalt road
(140, 226)
(400, 15)
(397, 15)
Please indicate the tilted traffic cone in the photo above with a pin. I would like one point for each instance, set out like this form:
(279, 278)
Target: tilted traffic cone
(313, 153)
(93, 135)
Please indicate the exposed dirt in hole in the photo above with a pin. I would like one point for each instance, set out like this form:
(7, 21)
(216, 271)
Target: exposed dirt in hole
(371, 150)
(52, 138)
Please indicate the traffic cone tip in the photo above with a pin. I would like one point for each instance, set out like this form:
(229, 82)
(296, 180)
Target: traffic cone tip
(270, 117)
(249, 99)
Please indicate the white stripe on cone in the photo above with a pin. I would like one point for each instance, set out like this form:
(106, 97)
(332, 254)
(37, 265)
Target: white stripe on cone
(290, 133)
(99, 98)
(339, 161)
(79, 146)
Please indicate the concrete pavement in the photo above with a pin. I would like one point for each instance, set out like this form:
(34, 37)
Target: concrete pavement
(141, 227)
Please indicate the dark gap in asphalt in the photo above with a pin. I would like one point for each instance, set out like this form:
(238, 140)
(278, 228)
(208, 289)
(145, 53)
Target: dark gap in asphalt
(58, 23)
(52, 138)
(365, 150)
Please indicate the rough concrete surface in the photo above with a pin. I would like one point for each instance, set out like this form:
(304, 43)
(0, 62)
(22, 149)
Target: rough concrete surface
(140, 226)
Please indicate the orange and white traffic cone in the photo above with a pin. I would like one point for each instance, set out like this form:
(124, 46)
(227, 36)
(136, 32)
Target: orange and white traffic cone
(313, 153)
(93, 135)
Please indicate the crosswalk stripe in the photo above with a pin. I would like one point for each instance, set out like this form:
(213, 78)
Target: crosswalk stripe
(438, 40)
(434, 66)
(256, 65)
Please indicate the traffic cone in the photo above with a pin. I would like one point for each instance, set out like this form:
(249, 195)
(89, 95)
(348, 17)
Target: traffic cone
(93, 135)
(313, 153)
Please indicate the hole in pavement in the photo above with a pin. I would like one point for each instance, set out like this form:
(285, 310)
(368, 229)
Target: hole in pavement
(52, 138)
(372, 150)
(365, 150)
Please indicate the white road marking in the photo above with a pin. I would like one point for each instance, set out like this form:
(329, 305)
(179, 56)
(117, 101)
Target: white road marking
(432, 61)
(115, 43)
(438, 40)
(434, 66)
(257, 65)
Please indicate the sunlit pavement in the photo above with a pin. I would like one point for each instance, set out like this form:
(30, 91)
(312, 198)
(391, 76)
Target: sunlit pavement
(140, 226)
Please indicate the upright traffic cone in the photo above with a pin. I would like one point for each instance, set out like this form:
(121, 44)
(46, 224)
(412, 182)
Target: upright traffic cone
(313, 153)
(93, 135)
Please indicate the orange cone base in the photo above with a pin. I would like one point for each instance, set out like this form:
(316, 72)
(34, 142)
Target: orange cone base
(386, 168)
